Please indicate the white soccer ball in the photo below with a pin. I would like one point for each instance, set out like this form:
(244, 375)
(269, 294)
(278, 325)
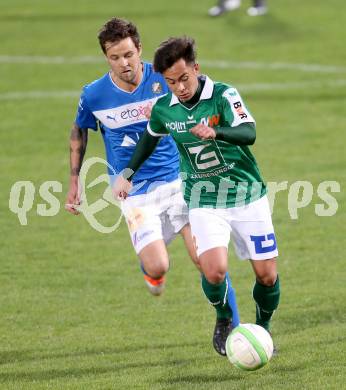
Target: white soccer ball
(249, 347)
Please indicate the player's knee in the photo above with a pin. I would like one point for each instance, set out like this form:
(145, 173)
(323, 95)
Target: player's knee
(162, 269)
(267, 279)
(157, 270)
(215, 276)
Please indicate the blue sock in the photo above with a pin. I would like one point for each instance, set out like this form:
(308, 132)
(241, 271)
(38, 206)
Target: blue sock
(232, 302)
(142, 268)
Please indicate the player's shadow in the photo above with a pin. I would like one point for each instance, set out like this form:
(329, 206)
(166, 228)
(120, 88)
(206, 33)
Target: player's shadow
(8, 357)
(304, 318)
(232, 376)
(199, 378)
(45, 375)
(75, 372)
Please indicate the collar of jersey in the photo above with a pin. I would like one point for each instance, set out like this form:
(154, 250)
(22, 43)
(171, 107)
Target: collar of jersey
(205, 95)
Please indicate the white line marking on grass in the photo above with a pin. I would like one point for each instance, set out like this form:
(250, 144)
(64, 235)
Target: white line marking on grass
(242, 87)
(217, 64)
(39, 95)
(274, 66)
(291, 86)
(46, 60)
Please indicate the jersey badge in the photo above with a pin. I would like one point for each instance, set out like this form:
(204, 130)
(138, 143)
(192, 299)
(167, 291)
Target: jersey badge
(156, 87)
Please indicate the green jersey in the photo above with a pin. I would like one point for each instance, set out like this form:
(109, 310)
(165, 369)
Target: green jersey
(215, 173)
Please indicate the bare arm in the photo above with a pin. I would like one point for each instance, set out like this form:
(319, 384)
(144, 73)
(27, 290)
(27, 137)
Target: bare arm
(78, 145)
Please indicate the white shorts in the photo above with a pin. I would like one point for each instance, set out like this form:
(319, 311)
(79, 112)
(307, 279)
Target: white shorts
(249, 226)
(159, 214)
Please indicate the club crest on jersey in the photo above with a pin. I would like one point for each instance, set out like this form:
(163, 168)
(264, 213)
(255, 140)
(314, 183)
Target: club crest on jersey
(80, 104)
(156, 87)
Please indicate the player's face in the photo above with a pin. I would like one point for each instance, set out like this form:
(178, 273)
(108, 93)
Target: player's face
(124, 60)
(182, 79)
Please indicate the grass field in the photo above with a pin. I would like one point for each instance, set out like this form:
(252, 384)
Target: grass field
(74, 310)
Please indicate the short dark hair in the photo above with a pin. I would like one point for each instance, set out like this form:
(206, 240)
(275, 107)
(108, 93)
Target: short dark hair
(172, 50)
(115, 30)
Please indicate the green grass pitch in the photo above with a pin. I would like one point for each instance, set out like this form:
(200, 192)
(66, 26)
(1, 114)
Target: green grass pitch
(75, 313)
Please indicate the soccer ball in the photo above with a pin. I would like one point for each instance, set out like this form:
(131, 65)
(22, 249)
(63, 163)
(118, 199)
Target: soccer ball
(249, 347)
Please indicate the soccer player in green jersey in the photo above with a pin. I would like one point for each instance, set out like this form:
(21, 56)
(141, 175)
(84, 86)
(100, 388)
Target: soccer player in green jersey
(223, 186)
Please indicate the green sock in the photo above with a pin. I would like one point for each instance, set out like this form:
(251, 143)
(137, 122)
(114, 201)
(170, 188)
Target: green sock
(267, 301)
(217, 296)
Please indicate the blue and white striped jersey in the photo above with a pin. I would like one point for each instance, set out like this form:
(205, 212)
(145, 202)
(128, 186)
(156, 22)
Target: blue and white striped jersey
(121, 118)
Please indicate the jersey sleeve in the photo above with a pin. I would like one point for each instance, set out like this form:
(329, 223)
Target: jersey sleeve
(155, 126)
(85, 118)
(234, 109)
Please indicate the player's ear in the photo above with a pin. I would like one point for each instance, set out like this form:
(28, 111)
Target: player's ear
(196, 68)
(139, 49)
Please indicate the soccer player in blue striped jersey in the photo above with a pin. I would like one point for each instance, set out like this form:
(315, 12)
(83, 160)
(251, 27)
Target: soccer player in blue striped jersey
(119, 105)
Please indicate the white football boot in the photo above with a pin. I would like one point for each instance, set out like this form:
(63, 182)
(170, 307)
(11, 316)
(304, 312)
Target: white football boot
(257, 11)
(224, 6)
